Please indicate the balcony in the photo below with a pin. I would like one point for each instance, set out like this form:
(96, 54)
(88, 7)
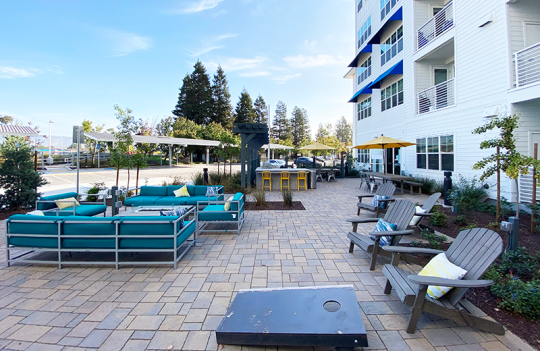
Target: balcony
(437, 97)
(527, 65)
(436, 26)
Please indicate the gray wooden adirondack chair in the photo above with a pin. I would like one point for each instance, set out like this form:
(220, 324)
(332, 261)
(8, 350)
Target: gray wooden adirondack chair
(386, 189)
(428, 205)
(399, 212)
(473, 250)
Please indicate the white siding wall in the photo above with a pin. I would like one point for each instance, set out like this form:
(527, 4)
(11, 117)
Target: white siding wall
(519, 12)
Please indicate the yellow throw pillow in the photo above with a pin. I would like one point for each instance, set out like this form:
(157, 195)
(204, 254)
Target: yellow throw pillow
(228, 203)
(182, 192)
(439, 266)
(66, 203)
(416, 219)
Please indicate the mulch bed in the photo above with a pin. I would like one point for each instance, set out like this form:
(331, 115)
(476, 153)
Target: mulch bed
(526, 329)
(7, 214)
(274, 206)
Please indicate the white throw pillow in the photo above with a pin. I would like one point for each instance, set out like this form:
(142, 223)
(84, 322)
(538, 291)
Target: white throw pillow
(36, 213)
(416, 219)
(439, 266)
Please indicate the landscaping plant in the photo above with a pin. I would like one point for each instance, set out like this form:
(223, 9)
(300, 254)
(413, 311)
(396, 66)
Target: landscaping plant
(438, 219)
(287, 197)
(467, 193)
(18, 179)
(95, 189)
(433, 239)
(260, 196)
(460, 220)
(430, 185)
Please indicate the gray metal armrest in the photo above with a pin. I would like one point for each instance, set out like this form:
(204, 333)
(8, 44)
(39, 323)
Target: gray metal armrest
(392, 233)
(362, 220)
(412, 250)
(453, 283)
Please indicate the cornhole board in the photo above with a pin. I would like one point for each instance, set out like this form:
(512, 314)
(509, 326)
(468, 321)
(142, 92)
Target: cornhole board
(311, 316)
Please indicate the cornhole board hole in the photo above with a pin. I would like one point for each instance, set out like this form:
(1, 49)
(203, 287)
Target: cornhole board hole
(313, 316)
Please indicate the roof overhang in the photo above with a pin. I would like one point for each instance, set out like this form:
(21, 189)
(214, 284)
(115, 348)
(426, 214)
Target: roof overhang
(396, 16)
(364, 90)
(366, 48)
(396, 69)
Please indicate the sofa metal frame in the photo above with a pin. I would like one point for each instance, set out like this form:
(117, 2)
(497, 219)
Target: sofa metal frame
(220, 187)
(239, 215)
(85, 203)
(175, 250)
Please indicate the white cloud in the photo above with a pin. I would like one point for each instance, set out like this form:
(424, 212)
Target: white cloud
(198, 6)
(226, 36)
(301, 61)
(309, 45)
(12, 72)
(237, 64)
(282, 80)
(205, 50)
(126, 43)
(255, 74)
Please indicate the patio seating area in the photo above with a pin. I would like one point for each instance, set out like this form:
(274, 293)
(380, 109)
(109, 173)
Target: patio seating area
(162, 308)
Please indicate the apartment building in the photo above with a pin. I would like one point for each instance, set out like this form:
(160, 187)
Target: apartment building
(430, 71)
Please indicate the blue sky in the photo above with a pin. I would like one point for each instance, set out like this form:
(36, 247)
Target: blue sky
(73, 60)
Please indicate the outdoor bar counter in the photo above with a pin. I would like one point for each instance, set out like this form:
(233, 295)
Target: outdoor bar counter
(293, 172)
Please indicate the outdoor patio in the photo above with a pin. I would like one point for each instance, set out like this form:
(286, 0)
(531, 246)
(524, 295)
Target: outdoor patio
(138, 308)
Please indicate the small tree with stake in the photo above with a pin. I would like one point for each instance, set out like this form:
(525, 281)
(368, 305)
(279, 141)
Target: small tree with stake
(506, 158)
(18, 178)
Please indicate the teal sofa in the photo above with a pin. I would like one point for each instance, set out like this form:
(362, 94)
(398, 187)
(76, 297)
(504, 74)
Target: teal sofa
(66, 234)
(164, 196)
(212, 216)
(47, 204)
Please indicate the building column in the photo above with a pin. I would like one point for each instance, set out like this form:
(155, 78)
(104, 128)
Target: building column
(207, 155)
(170, 155)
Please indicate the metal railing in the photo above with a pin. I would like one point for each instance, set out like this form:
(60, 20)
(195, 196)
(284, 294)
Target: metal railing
(527, 65)
(436, 26)
(437, 97)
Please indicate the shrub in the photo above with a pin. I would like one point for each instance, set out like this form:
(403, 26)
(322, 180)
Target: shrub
(519, 262)
(353, 172)
(287, 197)
(433, 239)
(460, 220)
(466, 193)
(430, 185)
(95, 189)
(197, 178)
(519, 296)
(494, 225)
(438, 219)
(260, 196)
(470, 226)
(176, 180)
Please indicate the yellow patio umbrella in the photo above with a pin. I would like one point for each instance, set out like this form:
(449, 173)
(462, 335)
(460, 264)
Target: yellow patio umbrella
(383, 142)
(316, 146)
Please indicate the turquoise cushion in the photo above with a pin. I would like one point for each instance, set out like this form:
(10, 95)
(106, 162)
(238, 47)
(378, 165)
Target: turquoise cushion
(48, 206)
(222, 215)
(153, 191)
(237, 197)
(160, 243)
(201, 189)
(171, 200)
(83, 210)
(172, 188)
(141, 200)
(99, 226)
(49, 228)
(191, 189)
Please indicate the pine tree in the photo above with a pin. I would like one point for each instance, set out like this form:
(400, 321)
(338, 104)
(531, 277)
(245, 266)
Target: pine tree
(281, 127)
(344, 131)
(195, 100)
(261, 110)
(300, 127)
(222, 112)
(18, 179)
(244, 109)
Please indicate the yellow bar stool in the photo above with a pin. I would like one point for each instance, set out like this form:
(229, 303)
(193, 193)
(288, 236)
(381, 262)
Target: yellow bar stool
(285, 176)
(301, 176)
(267, 176)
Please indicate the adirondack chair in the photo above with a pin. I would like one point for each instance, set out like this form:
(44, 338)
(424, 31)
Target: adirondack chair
(386, 189)
(399, 212)
(428, 205)
(473, 250)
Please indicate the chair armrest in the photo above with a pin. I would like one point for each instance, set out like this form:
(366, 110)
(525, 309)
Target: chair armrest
(361, 196)
(392, 233)
(386, 200)
(424, 214)
(412, 250)
(453, 283)
(362, 220)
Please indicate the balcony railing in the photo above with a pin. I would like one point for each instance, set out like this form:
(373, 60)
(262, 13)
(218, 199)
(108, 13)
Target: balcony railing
(437, 97)
(436, 26)
(527, 65)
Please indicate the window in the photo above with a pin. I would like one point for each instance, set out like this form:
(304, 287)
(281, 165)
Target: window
(359, 5)
(364, 109)
(364, 71)
(392, 96)
(363, 156)
(364, 32)
(392, 46)
(386, 6)
(435, 153)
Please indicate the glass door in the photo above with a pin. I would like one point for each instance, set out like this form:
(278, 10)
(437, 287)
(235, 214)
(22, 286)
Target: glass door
(440, 75)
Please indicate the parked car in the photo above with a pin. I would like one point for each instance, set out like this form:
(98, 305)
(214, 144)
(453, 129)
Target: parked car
(277, 163)
(308, 161)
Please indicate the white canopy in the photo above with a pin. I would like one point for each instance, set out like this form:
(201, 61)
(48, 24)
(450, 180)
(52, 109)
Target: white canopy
(149, 139)
(277, 147)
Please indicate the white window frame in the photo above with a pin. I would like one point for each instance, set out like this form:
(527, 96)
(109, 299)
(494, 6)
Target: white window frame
(364, 109)
(364, 156)
(396, 44)
(440, 151)
(364, 33)
(394, 97)
(364, 70)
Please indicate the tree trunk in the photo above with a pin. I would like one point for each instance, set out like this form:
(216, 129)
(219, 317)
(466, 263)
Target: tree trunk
(127, 188)
(517, 198)
(137, 181)
(498, 213)
(117, 174)
(230, 164)
(218, 166)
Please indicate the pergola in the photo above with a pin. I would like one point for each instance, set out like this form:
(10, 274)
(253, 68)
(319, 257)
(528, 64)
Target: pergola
(276, 147)
(6, 129)
(163, 140)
